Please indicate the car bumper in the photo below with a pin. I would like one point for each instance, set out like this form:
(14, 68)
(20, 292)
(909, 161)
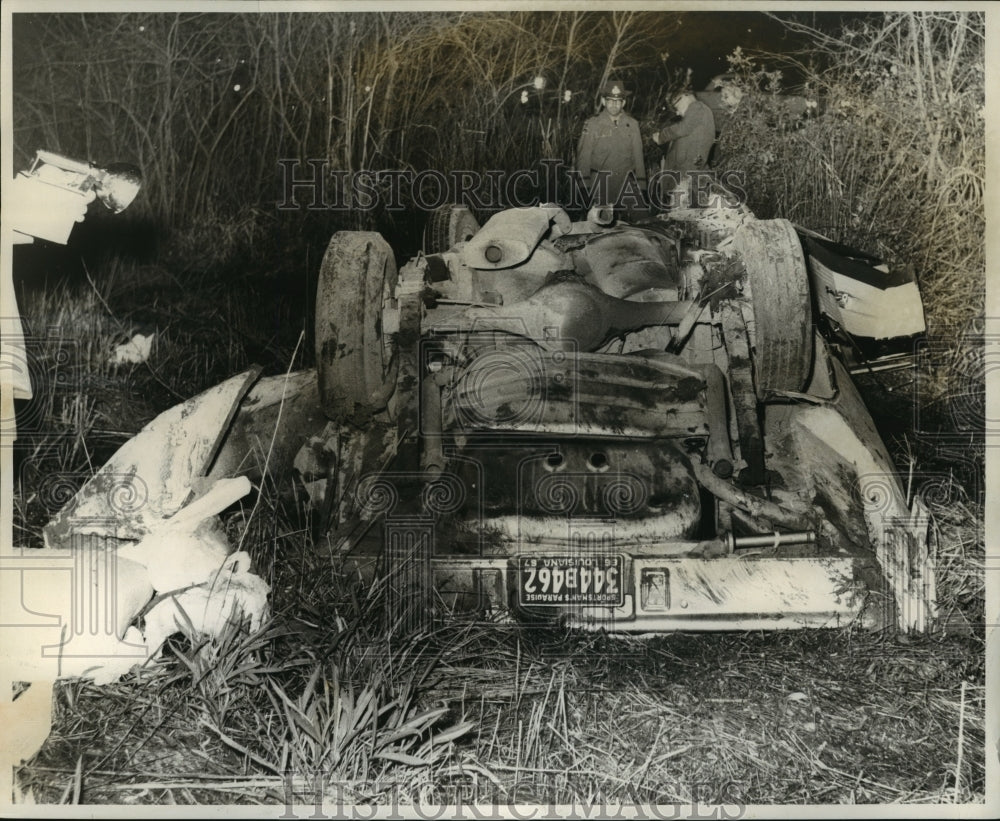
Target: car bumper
(658, 593)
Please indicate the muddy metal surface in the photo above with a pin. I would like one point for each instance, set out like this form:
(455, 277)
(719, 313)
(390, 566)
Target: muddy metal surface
(546, 384)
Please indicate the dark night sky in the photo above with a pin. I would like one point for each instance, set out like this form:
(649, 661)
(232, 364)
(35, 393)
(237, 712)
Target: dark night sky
(706, 38)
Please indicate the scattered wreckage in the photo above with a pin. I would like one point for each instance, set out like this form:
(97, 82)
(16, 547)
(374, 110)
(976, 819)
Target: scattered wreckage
(635, 428)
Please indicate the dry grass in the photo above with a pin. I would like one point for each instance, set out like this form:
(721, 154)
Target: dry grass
(892, 163)
(958, 529)
(537, 718)
(825, 718)
(479, 712)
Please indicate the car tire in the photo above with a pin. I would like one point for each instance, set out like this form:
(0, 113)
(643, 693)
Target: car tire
(782, 310)
(356, 362)
(447, 226)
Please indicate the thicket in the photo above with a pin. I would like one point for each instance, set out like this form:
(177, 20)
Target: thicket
(207, 104)
(891, 155)
(891, 159)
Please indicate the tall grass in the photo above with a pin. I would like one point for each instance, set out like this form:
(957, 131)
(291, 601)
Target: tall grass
(892, 159)
(207, 104)
(479, 713)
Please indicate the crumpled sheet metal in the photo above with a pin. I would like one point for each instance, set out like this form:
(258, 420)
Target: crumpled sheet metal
(80, 604)
(897, 533)
(189, 546)
(151, 476)
(230, 593)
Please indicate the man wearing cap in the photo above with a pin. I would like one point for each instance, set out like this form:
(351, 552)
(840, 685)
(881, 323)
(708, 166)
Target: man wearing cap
(690, 139)
(611, 142)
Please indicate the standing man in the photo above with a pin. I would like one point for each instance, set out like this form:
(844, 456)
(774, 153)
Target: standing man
(611, 143)
(690, 141)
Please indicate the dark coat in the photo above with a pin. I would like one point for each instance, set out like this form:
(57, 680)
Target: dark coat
(690, 139)
(607, 146)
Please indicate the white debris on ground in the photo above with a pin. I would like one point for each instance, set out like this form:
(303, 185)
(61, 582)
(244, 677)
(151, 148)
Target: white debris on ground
(135, 351)
(200, 586)
(231, 595)
(71, 613)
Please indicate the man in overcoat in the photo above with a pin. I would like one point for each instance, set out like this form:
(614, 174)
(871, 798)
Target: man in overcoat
(611, 143)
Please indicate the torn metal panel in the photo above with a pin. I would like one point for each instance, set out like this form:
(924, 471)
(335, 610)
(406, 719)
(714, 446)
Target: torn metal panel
(94, 591)
(316, 462)
(86, 601)
(360, 493)
(230, 593)
(272, 421)
(152, 475)
(189, 546)
(861, 295)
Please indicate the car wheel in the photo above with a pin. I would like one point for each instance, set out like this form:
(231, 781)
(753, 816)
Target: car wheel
(356, 361)
(448, 225)
(779, 287)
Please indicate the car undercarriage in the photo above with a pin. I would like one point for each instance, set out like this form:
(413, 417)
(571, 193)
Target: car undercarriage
(633, 428)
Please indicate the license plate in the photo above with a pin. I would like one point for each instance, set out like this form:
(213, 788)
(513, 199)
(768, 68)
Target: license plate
(560, 580)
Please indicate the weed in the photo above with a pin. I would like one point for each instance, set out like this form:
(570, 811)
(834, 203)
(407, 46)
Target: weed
(333, 695)
(890, 158)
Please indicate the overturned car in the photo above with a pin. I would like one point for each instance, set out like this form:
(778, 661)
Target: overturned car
(635, 428)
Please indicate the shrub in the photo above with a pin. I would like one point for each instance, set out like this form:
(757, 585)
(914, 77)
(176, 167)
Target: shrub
(893, 159)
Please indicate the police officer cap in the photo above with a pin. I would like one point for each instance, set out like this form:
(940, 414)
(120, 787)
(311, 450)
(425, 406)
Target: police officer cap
(614, 90)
